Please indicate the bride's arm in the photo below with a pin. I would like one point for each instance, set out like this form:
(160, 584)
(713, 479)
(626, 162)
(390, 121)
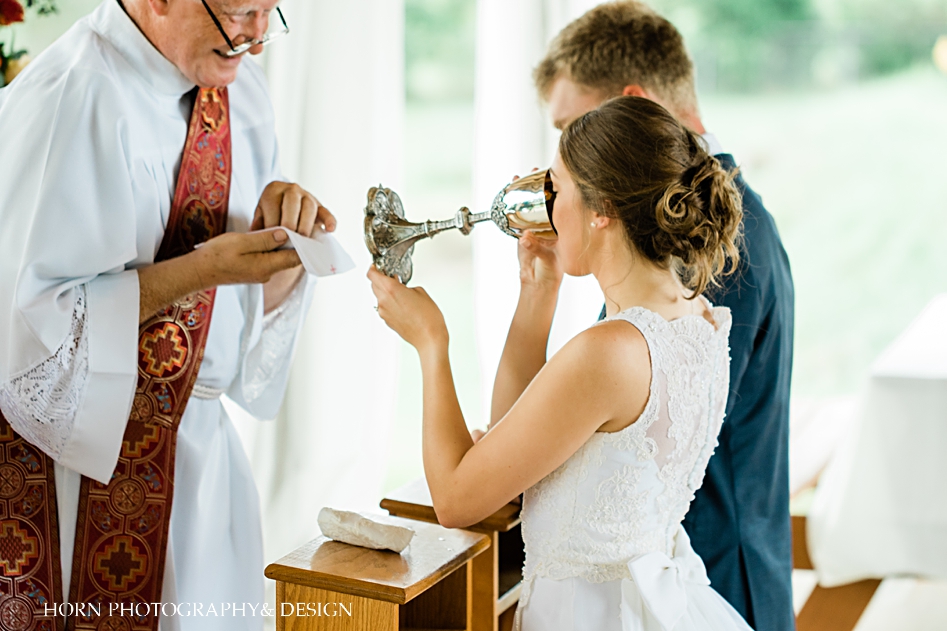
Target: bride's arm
(524, 353)
(595, 378)
(601, 375)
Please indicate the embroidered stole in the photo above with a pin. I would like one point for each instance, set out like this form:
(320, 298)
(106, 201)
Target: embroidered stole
(122, 527)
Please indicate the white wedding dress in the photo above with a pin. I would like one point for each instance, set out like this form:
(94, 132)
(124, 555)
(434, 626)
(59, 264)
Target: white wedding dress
(605, 549)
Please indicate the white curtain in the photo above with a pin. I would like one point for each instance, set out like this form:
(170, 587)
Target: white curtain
(512, 136)
(337, 83)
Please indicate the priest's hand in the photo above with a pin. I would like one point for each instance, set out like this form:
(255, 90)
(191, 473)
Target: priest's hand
(228, 259)
(409, 311)
(234, 258)
(292, 207)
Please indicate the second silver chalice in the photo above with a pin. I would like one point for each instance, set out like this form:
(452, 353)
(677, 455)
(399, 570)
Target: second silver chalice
(524, 204)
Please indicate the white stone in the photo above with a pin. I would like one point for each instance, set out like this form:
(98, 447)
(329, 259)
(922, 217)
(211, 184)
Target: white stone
(359, 530)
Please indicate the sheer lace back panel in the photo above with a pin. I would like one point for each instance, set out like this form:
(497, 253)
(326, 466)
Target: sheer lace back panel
(624, 494)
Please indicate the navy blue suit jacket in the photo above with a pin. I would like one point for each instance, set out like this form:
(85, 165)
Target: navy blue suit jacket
(739, 520)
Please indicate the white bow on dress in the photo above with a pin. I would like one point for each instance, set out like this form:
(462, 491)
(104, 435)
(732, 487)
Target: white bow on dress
(658, 586)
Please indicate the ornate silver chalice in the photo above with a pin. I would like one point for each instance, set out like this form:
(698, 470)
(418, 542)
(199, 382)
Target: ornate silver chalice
(523, 204)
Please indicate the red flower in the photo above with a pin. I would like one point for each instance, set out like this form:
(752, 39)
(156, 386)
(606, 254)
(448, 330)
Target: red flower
(10, 11)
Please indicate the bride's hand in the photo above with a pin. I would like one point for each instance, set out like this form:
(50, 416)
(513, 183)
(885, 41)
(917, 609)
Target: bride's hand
(539, 264)
(409, 311)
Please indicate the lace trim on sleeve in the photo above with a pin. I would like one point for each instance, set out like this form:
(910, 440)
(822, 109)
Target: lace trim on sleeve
(276, 343)
(42, 402)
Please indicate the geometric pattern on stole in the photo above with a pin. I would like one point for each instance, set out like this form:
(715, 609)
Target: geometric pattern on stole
(30, 578)
(122, 527)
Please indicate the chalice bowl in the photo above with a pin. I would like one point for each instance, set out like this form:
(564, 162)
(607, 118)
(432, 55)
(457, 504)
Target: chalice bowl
(524, 204)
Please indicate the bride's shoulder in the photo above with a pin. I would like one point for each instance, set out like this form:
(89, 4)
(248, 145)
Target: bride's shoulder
(605, 370)
(614, 347)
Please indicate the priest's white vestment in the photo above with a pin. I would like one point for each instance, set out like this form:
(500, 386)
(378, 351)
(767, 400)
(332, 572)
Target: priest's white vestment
(92, 135)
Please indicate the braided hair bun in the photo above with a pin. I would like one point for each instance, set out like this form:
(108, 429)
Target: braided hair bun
(633, 161)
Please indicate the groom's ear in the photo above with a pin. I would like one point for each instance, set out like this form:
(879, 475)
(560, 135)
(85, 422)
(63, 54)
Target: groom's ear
(636, 90)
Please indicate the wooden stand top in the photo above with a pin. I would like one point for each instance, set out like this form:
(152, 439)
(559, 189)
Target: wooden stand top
(434, 553)
(413, 501)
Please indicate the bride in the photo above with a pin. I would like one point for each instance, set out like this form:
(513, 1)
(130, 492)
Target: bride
(611, 436)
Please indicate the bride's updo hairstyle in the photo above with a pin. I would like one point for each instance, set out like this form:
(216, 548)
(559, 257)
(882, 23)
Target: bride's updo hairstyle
(634, 162)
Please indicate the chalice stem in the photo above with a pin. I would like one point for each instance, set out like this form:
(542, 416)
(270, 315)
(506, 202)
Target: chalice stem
(480, 217)
(521, 206)
(431, 228)
(464, 221)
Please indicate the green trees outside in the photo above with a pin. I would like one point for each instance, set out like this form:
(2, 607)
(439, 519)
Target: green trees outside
(439, 49)
(764, 45)
(738, 45)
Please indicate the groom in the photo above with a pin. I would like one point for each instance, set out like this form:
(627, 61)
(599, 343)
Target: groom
(739, 521)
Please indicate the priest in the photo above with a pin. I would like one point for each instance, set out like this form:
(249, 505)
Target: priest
(138, 136)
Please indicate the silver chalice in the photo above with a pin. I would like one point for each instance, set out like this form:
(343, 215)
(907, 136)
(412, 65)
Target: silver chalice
(524, 204)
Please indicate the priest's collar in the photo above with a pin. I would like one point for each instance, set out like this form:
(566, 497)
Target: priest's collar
(115, 26)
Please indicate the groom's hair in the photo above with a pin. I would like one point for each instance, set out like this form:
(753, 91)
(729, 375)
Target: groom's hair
(618, 44)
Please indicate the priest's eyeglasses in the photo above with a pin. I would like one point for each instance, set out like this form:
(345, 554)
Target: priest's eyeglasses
(247, 45)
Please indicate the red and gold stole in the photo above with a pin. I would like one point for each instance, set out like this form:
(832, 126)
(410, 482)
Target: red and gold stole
(29, 536)
(122, 527)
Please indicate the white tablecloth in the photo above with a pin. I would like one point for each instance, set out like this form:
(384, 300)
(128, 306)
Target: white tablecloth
(881, 506)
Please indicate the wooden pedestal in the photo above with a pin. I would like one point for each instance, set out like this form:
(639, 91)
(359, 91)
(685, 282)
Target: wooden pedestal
(497, 574)
(331, 586)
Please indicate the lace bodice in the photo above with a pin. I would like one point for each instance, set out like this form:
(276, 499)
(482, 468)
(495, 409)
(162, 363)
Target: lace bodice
(625, 494)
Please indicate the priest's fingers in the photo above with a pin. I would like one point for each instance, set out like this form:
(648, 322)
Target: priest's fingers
(259, 221)
(291, 207)
(260, 267)
(269, 209)
(273, 262)
(326, 218)
(307, 216)
(238, 244)
(234, 258)
(264, 241)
